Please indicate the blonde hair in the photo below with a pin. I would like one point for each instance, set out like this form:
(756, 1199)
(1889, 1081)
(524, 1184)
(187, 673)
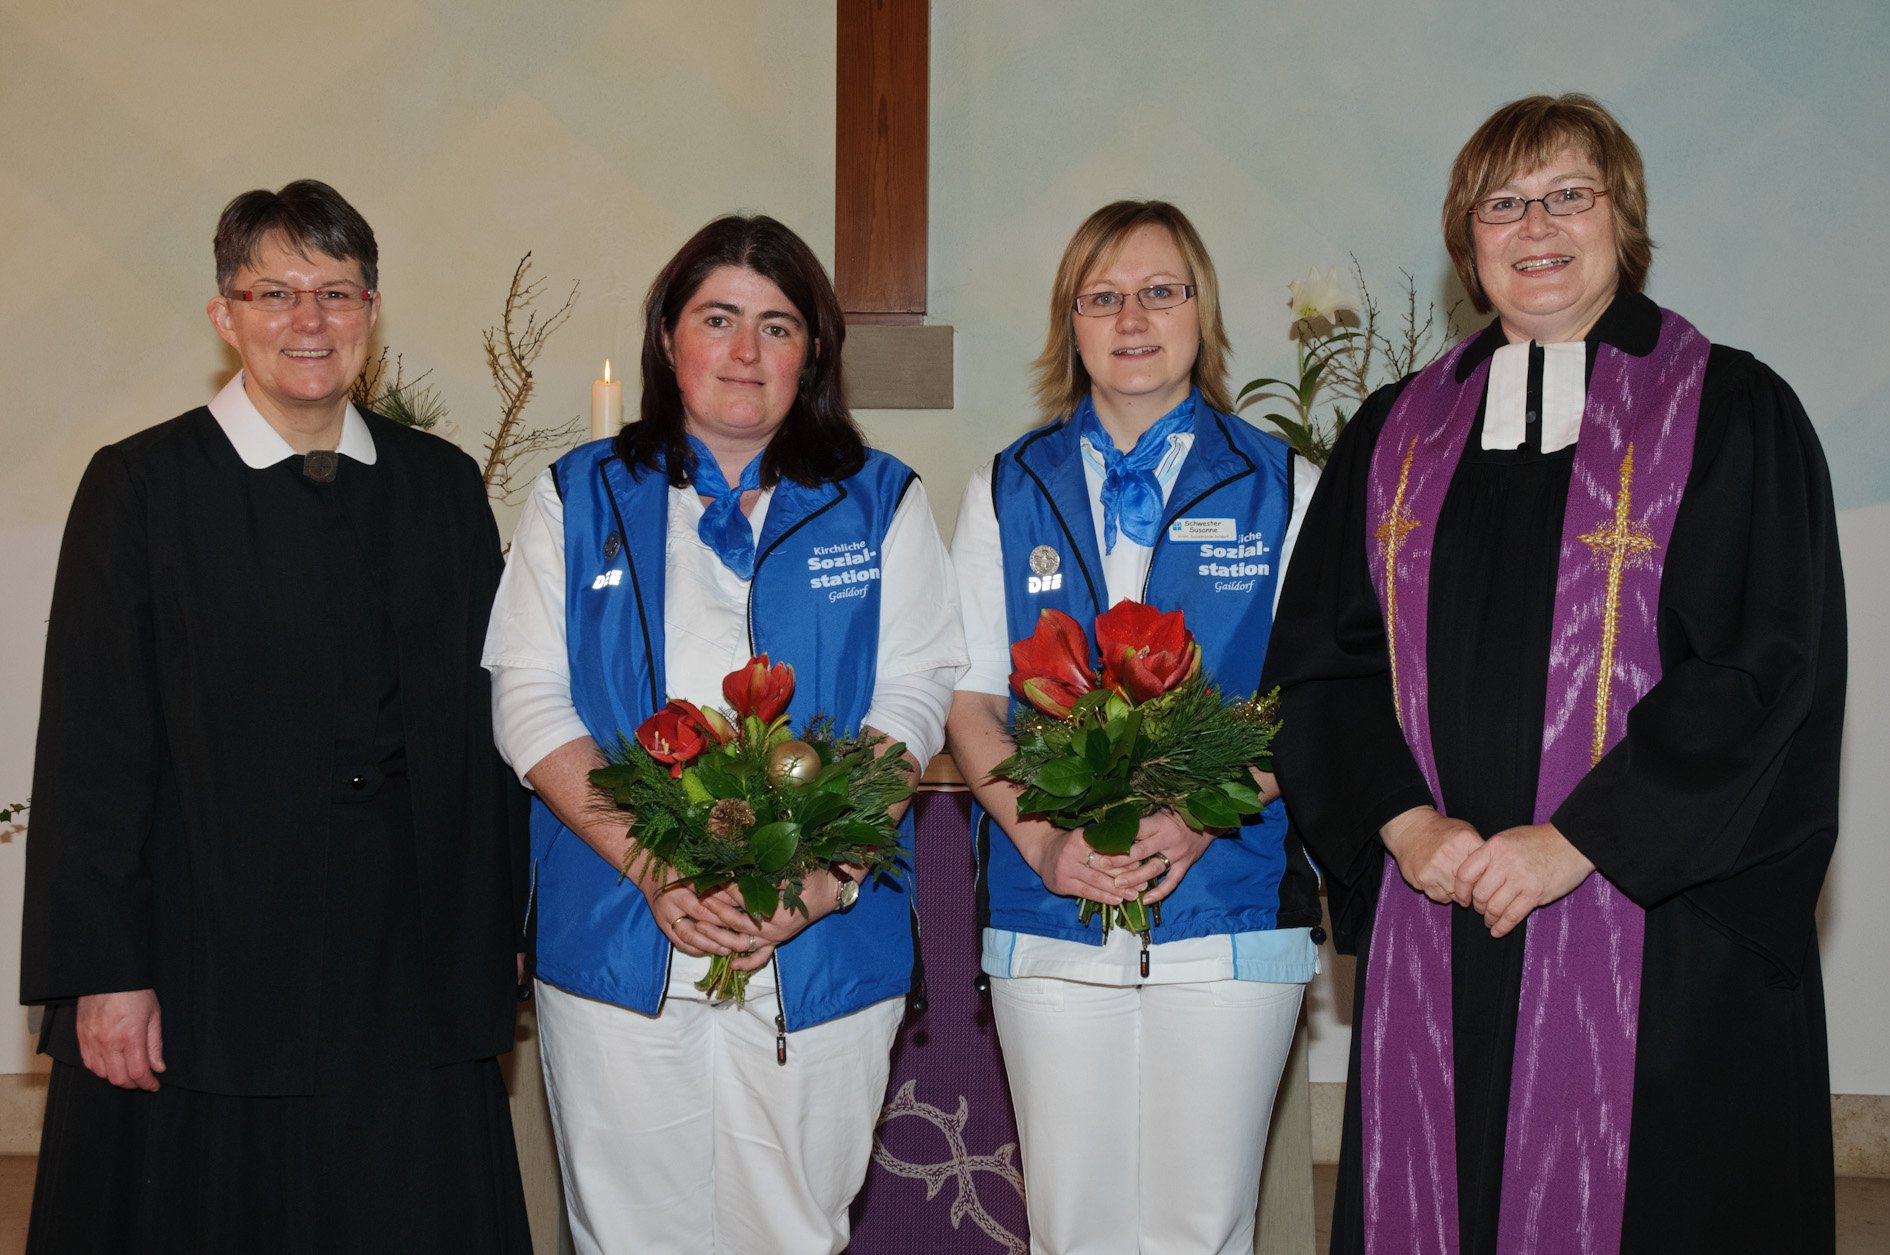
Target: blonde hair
(1062, 382)
(1523, 136)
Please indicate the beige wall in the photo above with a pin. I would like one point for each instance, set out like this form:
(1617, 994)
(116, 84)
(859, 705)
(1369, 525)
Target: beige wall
(599, 135)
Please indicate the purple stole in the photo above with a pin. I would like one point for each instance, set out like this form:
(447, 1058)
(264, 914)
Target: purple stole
(1572, 1088)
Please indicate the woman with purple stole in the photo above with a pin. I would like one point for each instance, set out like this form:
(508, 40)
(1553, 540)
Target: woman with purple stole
(1142, 1069)
(1564, 665)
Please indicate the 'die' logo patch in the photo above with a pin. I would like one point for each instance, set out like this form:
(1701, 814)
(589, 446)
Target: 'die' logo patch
(847, 570)
(609, 579)
(1045, 575)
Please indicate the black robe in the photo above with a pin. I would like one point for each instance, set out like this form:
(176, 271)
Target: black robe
(266, 788)
(1716, 812)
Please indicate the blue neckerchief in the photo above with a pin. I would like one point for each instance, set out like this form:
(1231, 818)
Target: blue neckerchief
(724, 528)
(1131, 495)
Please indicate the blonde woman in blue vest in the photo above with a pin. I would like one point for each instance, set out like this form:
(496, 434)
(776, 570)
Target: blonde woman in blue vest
(647, 567)
(1143, 1078)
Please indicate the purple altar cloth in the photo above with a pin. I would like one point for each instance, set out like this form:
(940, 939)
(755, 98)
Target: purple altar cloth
(945, 1176)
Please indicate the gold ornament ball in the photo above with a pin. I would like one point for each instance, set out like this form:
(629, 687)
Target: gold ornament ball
(793, 762)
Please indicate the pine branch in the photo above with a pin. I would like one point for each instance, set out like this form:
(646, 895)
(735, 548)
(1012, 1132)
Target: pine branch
(402, 400)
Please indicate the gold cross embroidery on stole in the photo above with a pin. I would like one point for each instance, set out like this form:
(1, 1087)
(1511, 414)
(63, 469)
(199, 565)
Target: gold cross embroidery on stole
(1620, 542)
(1396, 526)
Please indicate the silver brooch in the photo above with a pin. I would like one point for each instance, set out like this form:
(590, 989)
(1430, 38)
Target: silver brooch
(1044, 560)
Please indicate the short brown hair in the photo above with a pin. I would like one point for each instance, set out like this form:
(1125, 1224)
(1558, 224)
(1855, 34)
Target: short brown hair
(1522, 136)
(312, 215)
(1062, 383)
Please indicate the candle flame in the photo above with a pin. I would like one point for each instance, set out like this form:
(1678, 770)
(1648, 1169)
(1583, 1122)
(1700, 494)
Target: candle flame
(607, 370)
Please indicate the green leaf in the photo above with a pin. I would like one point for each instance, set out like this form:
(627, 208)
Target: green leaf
(819, 807)
(1035, 802)
(1065, 777)
(613, 777)
(1101, 750)
(1258, 384)
(772, 845)
(713, 777)
(1089, 702)
(860, 833)
(759, 896)
(693, 788)
(1115, 832)
(1243, 795)
(1213, 809)
(1105, 793)
(1299, 435)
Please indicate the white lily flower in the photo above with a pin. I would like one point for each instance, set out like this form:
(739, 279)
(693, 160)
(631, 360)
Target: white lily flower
(1317, 302)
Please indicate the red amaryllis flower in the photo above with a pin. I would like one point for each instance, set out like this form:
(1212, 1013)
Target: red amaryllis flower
(759, 689)
(1145, 652)
(1052, 665)
(710, 720)
(673, 735)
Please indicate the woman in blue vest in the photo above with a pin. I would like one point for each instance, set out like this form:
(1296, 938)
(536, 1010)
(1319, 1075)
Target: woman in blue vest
(1143, 1076)
(648, 567)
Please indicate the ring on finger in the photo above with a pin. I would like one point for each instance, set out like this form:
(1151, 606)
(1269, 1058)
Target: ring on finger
(1166, 865)
(1089, 860)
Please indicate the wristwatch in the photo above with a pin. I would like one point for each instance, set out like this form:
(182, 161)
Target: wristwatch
(849, 893)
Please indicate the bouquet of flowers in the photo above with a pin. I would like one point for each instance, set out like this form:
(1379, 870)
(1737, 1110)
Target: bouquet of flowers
(719, 798)
(1101, 749)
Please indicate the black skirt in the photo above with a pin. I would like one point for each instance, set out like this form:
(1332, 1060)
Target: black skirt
(387, 1155)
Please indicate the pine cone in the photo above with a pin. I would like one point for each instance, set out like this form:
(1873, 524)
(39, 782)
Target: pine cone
(730, 819)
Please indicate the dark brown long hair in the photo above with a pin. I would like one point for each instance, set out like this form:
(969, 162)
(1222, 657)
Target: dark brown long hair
(818, 441)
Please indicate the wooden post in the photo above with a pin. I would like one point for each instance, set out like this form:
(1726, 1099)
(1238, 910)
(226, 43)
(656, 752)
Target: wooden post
(883, 60)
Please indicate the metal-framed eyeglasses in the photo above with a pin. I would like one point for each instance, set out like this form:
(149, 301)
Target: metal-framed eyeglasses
(1496, 211)
(282, 300)
(1155, 296)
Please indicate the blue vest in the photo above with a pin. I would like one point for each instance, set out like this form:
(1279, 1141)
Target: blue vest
(814, 602)
(1232, 500)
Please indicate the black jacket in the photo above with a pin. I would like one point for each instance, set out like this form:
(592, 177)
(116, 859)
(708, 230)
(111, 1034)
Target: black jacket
(186, 756)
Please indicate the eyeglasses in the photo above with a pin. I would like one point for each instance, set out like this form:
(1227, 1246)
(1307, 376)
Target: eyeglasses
(1560, 203)
(1156, 296)
(281, 300)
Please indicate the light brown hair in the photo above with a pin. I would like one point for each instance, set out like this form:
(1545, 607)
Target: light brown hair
(1523, 136)
(1062, 382)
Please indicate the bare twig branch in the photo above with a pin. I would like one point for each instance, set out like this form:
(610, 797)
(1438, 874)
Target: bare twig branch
(511, 349)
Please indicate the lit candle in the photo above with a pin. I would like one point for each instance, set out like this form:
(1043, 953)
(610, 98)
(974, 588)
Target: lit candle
(606, 405)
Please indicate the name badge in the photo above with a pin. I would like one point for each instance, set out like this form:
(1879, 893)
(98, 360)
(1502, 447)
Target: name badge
(1186, 530)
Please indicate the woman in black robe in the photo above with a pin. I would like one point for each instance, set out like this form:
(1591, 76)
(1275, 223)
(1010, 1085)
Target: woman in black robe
(273, 875)
(1714, 811)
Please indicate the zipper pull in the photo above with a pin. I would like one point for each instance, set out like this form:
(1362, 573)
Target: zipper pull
(1145, 954)
(780, 1039)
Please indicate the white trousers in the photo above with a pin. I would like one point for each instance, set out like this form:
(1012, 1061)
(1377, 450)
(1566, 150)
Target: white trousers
(680, 1133)
(1143, 1109)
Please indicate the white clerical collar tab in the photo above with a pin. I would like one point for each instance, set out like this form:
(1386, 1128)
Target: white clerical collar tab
(1564, 393)
(260, 445)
